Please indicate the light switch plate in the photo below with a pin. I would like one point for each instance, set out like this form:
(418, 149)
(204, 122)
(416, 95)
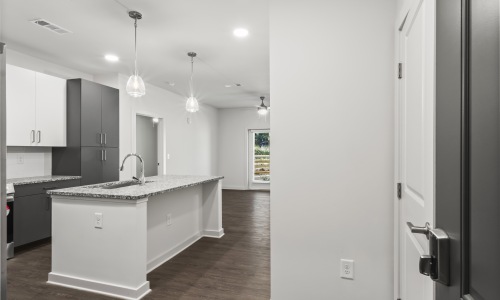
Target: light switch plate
(347, 268)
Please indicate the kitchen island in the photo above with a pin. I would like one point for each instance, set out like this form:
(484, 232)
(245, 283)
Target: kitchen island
(107, 237)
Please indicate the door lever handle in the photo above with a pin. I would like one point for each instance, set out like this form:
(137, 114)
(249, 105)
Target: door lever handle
(421, 230)
(436, 264)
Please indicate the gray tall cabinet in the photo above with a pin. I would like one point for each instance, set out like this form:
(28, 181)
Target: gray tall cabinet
(93, 133)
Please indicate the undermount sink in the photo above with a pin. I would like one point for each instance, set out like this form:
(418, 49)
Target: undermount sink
(122, 184)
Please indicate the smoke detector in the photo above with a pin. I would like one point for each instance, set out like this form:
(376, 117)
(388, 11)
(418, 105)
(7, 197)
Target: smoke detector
(50, 26)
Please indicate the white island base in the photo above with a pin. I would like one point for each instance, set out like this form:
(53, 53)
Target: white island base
(136, 236)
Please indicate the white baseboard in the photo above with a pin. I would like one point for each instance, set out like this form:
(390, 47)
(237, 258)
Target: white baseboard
(234, 187)
(167, 255)
(213, 233)
(102, 288)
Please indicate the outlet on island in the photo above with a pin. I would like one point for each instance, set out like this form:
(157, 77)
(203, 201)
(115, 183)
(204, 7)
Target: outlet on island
(347, 268)
(98, 220)
(169, 219)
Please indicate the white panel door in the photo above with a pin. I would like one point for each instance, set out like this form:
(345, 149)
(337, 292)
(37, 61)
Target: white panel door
(20, 102)
(50, 111)
(416, 145)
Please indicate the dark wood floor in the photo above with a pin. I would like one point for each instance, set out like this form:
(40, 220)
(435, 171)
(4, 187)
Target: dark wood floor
(233, 267)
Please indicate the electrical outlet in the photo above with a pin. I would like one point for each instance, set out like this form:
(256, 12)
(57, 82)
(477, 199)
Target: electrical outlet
(169, 219)
(98, 220)
(347, 268)
(168, 155)
(20, 159)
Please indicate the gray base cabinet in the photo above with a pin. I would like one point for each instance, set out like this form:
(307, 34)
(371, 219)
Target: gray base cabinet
(32, 219)
(33, 211)
(93, 133)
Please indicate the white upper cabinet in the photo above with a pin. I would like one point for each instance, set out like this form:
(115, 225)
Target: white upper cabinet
(21, 94)
(36, 108)
(50, 111)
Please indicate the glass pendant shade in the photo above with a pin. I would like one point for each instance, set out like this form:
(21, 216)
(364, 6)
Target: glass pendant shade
(262, 111)
(192, 104)
(135, 86)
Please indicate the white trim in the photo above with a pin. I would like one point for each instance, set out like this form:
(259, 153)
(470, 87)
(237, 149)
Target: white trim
(169, 254)
(213, 233)
(161, 139)
(235, 187)
(403, 14)
(98, 287)
(251, 184)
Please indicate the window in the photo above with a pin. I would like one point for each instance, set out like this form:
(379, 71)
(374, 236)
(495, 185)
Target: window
(261, 162)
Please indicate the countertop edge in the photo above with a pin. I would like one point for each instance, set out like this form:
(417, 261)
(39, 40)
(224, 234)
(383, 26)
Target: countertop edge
(32, 180)
(134, 197)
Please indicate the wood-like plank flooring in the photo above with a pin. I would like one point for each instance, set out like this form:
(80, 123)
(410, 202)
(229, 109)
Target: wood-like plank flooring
(233, 267)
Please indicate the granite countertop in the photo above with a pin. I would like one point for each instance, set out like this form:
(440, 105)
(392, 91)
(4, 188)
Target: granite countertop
(40, 179)
(154, 185)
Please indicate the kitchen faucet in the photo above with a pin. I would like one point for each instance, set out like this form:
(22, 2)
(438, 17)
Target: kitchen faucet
(142, 180)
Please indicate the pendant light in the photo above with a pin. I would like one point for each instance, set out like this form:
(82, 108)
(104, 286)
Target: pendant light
(135, 84)
(192, 103)
(262, 109)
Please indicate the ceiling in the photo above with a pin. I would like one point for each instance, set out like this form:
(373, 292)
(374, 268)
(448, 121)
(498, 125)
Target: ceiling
(169, 29)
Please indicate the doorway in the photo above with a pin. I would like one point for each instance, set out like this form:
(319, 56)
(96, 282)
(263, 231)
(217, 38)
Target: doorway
(146, 141)
(259, 159)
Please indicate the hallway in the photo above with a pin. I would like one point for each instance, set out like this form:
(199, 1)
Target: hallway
(234, 267)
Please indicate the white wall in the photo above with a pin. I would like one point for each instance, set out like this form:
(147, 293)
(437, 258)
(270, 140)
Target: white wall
(28, 161)
(36, 161)
(18, 58)
(332, 77)
(234, 124)
(192, 147)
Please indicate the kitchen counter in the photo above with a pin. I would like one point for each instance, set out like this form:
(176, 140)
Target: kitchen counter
(154, 185)
(40, 179)
(126, 232)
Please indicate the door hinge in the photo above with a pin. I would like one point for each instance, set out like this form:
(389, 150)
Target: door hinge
(399, 190)
(400, 70)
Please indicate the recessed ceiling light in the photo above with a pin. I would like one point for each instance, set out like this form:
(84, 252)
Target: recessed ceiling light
(240, 32)
(170, 83)
(228, 85)
(112, 58)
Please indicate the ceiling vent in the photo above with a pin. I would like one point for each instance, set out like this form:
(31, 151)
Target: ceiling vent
(50, 26)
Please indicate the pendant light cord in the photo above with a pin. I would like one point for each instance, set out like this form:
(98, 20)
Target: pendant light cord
(135, 46)
(191, 79)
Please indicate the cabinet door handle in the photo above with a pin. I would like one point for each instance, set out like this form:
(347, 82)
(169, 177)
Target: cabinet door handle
(105, 155)
(32, 135)
(100, 138)
(39, 136)
(102, 155)
(50, 188)
(105, 139)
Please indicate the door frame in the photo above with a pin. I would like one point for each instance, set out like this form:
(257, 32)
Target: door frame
(400, 21)
(3, 174)
(250, 158)
(399, 25)
(162, 153)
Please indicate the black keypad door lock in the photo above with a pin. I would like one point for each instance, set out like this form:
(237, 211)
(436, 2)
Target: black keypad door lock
(436, 264)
